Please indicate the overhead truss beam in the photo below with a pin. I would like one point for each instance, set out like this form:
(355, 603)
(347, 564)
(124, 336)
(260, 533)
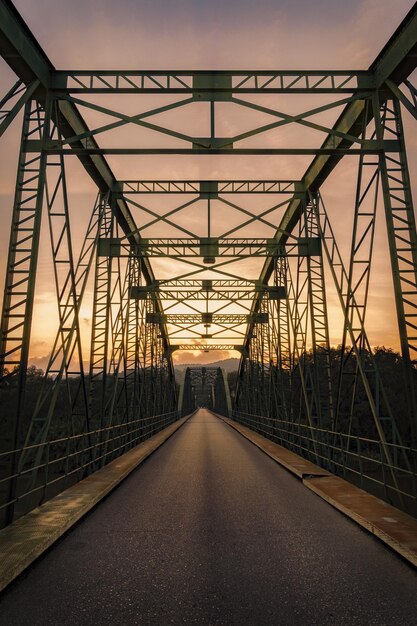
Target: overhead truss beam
(207, 85)
(208, 188)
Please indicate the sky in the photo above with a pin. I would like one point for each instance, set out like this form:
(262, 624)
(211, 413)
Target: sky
(186, 34)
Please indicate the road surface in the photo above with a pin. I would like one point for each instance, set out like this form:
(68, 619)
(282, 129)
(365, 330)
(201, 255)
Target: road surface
(211, 531)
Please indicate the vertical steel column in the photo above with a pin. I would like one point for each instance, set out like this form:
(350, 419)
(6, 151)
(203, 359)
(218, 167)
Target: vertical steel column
(279, 312)
(70, 288)
(322, 395)
(115, 407)
(24, 246)
(147, 360)
(101, 321)
(357, 285)
(16, 320)
(402, 240)
(117, 403)
(255, 388)
(265, 362)
(134, 329)
(366, 366)
(302, 381)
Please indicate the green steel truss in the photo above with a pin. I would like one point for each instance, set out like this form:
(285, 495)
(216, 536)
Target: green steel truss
(207, 85)
(205, 387)
(206, 265)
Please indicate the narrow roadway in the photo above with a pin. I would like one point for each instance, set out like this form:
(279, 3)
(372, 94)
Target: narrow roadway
(211, 531)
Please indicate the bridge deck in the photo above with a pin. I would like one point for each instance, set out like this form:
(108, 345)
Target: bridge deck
(212, 531)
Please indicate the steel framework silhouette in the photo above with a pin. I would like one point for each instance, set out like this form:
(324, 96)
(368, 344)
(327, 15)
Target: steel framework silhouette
(184, 274)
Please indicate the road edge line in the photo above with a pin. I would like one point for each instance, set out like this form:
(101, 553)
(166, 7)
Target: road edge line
(374, 515)
(26, 539)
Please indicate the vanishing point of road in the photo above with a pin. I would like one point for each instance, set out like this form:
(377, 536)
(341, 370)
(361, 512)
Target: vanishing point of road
(211, 531)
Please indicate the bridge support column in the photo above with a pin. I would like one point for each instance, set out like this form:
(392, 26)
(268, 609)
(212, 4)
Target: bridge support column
(22, 260)
(402, 239)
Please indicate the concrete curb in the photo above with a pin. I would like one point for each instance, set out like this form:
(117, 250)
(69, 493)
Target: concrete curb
(395, 528)
(291, 461)
(392, 526)
(27, 538)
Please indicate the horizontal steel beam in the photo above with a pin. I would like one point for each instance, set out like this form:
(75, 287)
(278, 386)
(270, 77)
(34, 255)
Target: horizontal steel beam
(206, 318)
(218, 335)
(211, 85)
(372, 148)
(210, 247)
(208, 188)
(200, 295)
(207, 284)
(205, 347)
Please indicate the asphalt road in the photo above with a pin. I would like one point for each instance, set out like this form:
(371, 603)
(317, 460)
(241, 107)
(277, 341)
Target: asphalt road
(211, 531)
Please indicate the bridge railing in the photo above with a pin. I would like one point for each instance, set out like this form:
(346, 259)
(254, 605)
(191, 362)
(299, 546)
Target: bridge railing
(361, 460)
(67, 460)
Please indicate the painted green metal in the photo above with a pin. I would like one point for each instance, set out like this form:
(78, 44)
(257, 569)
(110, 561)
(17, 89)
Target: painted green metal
(19, 294)
(8, 115)
(205, 387)
(208, 85)
(210, 188)
(291, 386)
(211, 246)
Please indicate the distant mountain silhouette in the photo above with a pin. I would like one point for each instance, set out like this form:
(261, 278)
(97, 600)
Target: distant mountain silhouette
(229, 365)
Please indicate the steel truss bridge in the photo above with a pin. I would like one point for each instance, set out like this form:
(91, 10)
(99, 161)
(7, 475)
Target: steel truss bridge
(219, 264)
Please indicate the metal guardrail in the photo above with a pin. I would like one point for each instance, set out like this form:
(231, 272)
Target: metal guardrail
(360, 460)
(67, 460)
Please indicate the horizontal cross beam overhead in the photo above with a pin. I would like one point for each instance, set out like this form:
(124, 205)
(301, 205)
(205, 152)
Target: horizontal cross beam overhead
(205, 318)
(209, 247)
(206, 289)
(184, 295)
(193, 332)
(203, 84)
(213, 148)
(208, 188)
(206, 347)
(207, 284)
(280, 119)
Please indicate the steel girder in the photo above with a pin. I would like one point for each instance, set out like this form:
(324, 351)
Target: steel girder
(394, 64)
(210, 247)
(26, 58)
(292, 385)
(208, 85)
(205, 386)
(208, 188)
